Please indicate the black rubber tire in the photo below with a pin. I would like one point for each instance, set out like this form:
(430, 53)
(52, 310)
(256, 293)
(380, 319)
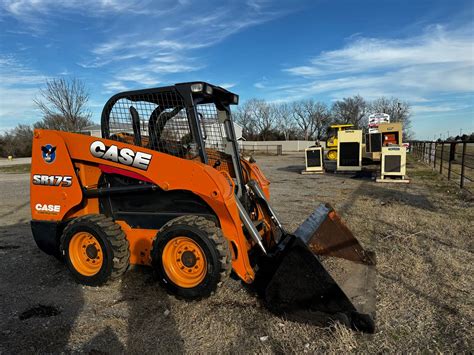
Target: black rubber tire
(212, 242)
(112, 240)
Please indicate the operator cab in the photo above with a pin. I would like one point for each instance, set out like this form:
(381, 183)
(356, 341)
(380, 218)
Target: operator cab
(186, 120)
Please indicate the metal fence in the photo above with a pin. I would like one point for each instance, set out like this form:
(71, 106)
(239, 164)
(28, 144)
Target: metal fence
(452, 159)
(268, 149)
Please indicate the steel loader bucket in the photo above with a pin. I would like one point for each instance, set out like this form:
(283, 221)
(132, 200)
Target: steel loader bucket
(323, 271)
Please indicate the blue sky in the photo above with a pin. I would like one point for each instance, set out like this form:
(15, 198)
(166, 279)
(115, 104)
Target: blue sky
(419, 51)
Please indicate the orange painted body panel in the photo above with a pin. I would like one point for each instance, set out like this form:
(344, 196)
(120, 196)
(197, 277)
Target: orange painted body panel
(66, 197)
(140, 241)
(166, 171)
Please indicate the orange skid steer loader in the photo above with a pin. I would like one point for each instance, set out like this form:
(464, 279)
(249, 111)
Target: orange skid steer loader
(165, 186)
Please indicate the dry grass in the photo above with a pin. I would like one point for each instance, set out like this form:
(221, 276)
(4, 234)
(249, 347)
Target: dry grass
(16, 169)
(421, 232)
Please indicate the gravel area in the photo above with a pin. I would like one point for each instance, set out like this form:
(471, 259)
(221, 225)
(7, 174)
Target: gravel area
(422, 234)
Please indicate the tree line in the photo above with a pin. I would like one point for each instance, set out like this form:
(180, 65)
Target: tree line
(63, 104)
(310, 119)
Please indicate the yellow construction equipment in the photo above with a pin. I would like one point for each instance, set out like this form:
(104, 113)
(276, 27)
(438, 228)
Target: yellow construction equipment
(331, 143)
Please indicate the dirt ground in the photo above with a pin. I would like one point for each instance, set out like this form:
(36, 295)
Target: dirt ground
(422, 234)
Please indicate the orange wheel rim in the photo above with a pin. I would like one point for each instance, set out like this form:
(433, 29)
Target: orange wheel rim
(184, 262)
(332, 155)
(85, 253)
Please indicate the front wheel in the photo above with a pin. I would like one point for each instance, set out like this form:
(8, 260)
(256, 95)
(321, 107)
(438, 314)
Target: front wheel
(332, 154)
(190, 257)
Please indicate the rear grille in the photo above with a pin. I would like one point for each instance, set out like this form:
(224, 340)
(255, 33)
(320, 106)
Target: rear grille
(393, 164)
(349, 154)
(313, 158)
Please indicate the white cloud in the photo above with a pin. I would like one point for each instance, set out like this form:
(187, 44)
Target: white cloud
(24, 10)
(438, 61)
(146, 40)
(147, 56)
(115, 86)
(227, 85)
(445, 107)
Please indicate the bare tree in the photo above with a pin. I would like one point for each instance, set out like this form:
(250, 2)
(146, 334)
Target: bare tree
(398, 110)
(285, 121)
(320, 116)
(243, 116)
(7, 144)
(17, 142)
(303, 119)
(263, 116)
(63, 103)
(312, 118)
(350, 110)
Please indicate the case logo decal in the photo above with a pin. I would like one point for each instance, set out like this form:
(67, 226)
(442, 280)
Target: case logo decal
(49, 153)
(47, 209)
(125, 156)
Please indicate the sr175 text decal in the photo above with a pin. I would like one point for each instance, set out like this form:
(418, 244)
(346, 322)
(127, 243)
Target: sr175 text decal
(52, 180)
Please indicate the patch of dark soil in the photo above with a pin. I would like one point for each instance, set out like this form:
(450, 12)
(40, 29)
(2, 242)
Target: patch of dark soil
(364, 174)
(9, 247)
(40, 311)
(292, 168)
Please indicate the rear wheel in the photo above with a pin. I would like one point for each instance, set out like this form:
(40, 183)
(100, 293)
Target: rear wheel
(95, 249)
(191, 256)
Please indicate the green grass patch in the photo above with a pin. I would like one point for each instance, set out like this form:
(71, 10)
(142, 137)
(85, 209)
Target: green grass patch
(424, 173)
(16, 169)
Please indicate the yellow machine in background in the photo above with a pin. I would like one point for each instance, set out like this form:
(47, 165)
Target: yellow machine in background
(331, 143)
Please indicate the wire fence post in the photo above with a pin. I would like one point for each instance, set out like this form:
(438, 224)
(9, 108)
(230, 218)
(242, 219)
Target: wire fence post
(451, 146)
(434, 158)
(462, 164)
(441, 159)
(429, 153)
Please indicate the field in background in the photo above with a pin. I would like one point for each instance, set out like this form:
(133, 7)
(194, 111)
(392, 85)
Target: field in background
(421, 233)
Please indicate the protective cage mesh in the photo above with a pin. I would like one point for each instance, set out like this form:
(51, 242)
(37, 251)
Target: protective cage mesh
(160, 121)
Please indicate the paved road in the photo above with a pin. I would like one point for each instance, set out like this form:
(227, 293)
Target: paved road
(16, 161)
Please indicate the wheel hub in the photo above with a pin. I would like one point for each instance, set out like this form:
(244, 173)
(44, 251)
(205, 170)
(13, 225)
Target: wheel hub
(188, 259)
(91, 251)
(85, 253)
